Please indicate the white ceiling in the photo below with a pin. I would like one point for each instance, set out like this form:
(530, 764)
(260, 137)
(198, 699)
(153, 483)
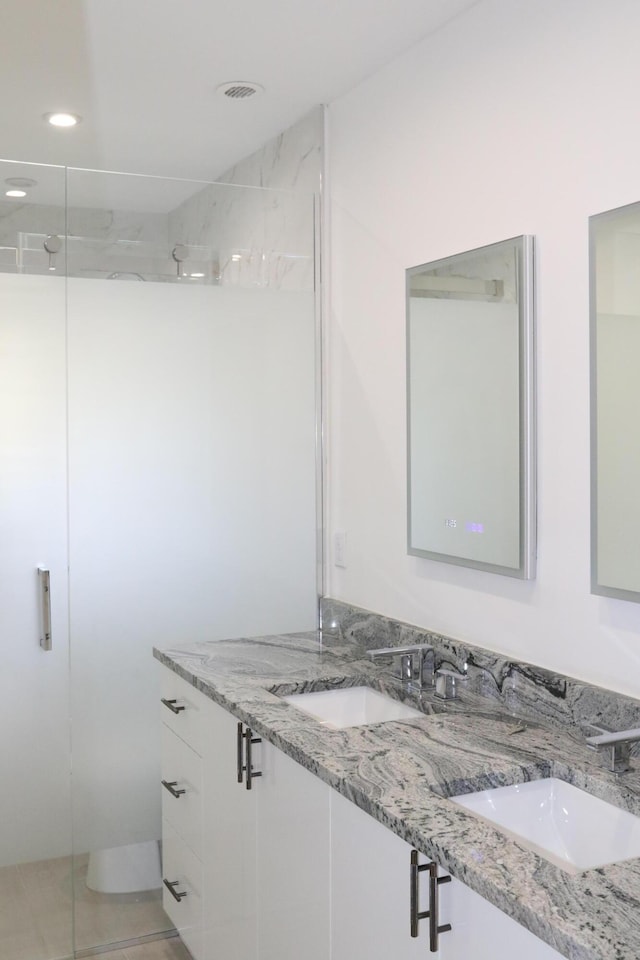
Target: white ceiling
(143, 74)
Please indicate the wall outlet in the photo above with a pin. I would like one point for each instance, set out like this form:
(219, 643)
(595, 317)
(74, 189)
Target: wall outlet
(340, 549)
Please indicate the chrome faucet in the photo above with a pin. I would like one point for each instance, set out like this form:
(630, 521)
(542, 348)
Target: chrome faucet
(412, 665)
(616, 747)
(447, 683)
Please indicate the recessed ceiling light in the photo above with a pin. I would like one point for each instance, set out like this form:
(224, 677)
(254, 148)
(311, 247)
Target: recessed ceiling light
(239, 89)
(196, 276)
(62, 119)
(16, 193)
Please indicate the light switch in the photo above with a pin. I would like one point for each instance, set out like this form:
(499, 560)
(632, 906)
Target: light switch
(340, 548)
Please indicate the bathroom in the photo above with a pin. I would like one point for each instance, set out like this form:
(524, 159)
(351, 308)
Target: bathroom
(525, 127)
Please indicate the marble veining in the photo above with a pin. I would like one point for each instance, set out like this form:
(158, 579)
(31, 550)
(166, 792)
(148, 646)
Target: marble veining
(523, 688)
(403, 772)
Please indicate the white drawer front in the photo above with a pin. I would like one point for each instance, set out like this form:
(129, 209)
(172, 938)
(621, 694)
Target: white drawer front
(181, 709)
(182, 775)
(182, 869)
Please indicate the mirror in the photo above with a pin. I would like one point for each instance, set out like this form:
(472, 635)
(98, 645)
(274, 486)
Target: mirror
(614, 240)
(471, 470)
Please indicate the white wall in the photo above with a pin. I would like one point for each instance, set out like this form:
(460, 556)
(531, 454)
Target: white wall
(517, 117)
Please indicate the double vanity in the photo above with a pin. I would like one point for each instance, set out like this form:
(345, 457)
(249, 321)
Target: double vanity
(315, 805)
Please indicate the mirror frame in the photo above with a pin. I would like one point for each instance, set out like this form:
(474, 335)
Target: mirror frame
(618, 593)
(525, 279)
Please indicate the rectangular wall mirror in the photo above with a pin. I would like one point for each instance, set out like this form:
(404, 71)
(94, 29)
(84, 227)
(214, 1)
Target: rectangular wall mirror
(615, 400)
(470, 416)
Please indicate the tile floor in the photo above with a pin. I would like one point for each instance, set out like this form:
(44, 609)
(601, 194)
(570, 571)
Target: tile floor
(36, 906)
(171, 949)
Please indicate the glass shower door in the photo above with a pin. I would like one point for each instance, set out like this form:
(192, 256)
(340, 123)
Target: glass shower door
(191, 378)
(35, 807)
(157, 458)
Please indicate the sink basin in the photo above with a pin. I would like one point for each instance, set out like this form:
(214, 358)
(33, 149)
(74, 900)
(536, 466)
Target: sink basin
(558, 821)
(351, 707)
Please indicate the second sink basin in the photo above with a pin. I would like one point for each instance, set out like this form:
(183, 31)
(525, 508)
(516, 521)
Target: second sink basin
(562, 823)
(351, 707)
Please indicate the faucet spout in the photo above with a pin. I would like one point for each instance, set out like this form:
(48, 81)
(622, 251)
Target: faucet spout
(411, 665)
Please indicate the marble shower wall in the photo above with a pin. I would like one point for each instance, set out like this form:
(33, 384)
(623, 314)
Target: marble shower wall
(264, 237)
(253, 228)
(108, 239)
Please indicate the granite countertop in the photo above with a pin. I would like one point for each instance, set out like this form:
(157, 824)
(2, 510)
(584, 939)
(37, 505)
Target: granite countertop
(403, 772)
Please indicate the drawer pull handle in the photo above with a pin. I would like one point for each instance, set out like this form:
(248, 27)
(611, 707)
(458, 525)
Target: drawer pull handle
(177, 895)
(431, 914)
(171, 785)
(171, 705)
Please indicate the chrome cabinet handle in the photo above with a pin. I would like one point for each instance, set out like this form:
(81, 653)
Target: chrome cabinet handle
(44, 581)
(177, 895)
(431, 914)
(171, 705)
(171, 785)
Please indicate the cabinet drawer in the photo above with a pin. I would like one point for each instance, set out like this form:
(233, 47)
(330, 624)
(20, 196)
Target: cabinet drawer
(182, 775)
(181, 709)
(182, 869)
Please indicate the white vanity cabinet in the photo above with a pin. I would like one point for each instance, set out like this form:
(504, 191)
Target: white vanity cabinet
(182, 895)
(293, 862)
(257, 882)
(229, 844)
(370, 902)
(481, 931)
(290, 868)
(370, 889)
(265, 850)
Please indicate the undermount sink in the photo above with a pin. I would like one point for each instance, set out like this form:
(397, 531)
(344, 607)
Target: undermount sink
(560, 822)
(351, 707)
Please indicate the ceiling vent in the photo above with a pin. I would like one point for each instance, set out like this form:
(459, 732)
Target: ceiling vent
(240, 89)
(22, 183)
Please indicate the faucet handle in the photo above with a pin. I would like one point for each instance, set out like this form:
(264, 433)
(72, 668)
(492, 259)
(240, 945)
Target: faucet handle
(447, 683)
(617, 746)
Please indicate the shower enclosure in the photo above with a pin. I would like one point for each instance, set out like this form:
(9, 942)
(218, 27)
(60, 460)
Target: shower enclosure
(158, 368)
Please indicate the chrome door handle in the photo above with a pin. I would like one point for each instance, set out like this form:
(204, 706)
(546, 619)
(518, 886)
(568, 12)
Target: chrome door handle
(44, 581)
(171, 705)
(177, 895)
(171, 785)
